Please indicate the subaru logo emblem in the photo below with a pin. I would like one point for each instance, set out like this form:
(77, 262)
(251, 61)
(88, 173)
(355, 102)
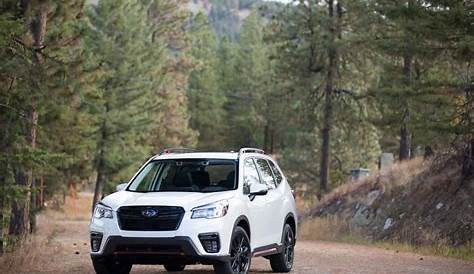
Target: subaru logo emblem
(149, 212)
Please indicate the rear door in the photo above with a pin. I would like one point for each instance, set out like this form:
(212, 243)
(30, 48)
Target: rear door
(274, 206)
(257, 207)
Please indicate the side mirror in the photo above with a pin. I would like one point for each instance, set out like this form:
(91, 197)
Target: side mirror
(257, 190)
(121, 186)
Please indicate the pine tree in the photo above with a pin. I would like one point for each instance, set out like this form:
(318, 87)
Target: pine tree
(37, 33)
(322, 63)
(206, 100)
(121, 41)
(170, 22)
(245, 101)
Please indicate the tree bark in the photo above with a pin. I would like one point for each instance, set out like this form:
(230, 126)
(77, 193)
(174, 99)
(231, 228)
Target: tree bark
(101, 167)
(266, 137)
(328, 94)
(2, 193)
(405, 134)
(21, 215)
(405, 143)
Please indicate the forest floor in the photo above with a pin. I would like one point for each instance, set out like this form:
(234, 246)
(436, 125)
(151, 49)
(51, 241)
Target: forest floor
(61, 245)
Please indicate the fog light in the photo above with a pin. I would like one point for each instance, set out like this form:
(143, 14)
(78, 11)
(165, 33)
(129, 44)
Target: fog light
(96, 240)
(210, 242)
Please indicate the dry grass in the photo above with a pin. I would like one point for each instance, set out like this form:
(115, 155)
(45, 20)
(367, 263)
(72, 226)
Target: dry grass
(38, 252)
(399, 174)
(323, 229)
(411, 187)
(336, 229)
(35, 252)
(78, 209)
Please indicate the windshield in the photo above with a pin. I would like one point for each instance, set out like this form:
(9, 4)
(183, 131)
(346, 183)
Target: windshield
(189, 175)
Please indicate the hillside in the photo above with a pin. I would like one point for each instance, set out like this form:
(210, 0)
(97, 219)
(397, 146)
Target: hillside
(226, 17)
(417, 202)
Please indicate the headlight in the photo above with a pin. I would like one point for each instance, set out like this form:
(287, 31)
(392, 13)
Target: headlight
(210, 211)
(102, 211)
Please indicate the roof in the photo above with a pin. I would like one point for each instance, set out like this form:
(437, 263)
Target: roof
(198, 155)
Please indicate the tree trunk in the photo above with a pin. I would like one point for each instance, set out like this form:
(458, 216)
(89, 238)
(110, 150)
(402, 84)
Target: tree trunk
(101, 168)
(405, 135)
(2, 193)
(272, 141)
(266, 137)
(328, 93)
(405, 143)
(21, 208)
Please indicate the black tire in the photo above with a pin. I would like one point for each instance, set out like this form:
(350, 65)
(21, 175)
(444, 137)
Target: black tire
(283, 262)
(174, 267)
(240, 254)
(109, 266)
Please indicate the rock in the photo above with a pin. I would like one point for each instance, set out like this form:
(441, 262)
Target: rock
(439, 206)
(386, 161)
(388, 223)
(361, 216)
(372, 197)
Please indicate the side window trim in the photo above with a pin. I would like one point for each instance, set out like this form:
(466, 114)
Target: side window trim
(280, 172)
(254, 160)
(246, 187)
(260, 175)
(275, 180)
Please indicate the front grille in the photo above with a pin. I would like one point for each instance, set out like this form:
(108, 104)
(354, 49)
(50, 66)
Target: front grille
(167, 218)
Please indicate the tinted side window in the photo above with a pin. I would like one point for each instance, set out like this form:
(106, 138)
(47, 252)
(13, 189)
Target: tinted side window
(266, 173)
(250, 174)
(276, 172)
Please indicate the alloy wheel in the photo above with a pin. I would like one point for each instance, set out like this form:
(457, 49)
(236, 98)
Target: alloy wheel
(289, 247)
(240, 254)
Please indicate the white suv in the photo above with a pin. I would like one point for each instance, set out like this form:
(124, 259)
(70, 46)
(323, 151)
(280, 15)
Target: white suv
(185, 208)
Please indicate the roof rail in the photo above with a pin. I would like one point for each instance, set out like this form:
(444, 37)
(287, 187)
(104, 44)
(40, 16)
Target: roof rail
(177, 150)
(251, 150)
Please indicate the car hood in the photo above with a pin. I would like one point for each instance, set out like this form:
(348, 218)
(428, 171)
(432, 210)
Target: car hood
(187, 200)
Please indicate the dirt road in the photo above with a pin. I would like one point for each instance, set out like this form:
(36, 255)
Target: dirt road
(66, 247)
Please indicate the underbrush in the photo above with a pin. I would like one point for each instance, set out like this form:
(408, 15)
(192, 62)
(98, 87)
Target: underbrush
(36, 253)
(421, 206)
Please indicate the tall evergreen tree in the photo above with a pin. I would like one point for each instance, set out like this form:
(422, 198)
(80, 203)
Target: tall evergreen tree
(245, 101)
(321, 53)
(206, 100)
(41, 31)
(170, 22)
(121, 41)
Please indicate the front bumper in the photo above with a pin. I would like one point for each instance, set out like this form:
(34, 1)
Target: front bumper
(187, 236)
(143, 250)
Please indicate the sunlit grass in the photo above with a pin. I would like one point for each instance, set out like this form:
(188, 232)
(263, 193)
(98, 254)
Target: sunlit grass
(335, 229)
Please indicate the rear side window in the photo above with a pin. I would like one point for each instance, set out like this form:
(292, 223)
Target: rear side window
(250, 174)
(266, 173)
(276, 173)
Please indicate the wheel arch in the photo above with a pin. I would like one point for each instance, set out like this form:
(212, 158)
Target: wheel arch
(291, 221)
(243, 222)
